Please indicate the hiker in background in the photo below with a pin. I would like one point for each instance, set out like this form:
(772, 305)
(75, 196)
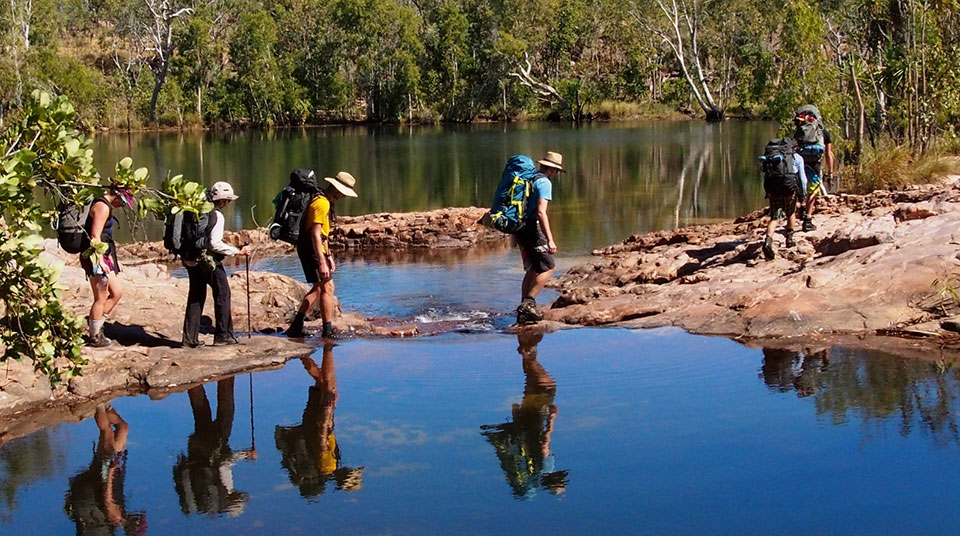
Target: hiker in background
(207, 269)
(537, 246)
(98, 229)
(816, 147)
(313, 248)
(783, 179)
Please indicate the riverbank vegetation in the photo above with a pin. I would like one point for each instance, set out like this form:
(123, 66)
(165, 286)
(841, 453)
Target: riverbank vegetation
(879, 69)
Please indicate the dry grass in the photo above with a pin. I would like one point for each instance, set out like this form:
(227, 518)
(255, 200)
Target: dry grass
(609, 110)
(892, 167)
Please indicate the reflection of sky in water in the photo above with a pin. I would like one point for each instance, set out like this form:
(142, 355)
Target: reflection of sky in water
(657, 431)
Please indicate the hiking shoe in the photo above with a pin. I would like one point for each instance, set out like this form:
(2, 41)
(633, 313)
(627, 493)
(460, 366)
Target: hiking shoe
(197, 344)
(790, 241)
(527, 314)
(225, 340)
(99, 341)
(808, 225)
(328, 334)
(768, 252)
(297, 332)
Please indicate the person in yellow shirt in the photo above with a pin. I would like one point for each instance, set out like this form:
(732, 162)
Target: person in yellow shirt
(313, 248)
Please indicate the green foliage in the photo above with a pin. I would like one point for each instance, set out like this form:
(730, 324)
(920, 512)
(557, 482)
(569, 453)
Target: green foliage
(44, 153)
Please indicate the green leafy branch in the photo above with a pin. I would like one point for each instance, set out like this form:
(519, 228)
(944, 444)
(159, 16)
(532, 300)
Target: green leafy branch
(45, 154)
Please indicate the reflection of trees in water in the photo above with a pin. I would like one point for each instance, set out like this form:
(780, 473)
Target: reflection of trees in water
(523, 443)
(309, 450)
(622, 178)
(871, 386)
(24, 461)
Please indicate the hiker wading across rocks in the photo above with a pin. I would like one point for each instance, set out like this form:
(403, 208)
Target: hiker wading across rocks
(101, 270)
(313, 248)
(208, 270)
(535, 240)
(816, 147)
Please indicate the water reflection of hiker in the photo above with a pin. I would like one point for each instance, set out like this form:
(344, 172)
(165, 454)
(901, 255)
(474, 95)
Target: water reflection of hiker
(204, 477)
(95, 501)
(523, 444)
(208, 270)
(315, 256)
(310, 451)
(106, 289)
(784, 370)
(535, 240)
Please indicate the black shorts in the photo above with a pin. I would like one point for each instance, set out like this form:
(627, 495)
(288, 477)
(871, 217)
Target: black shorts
(534, 250)
(310, 263)
(782, 206)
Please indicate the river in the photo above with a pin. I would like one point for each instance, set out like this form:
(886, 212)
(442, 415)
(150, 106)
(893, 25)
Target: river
(481, 431)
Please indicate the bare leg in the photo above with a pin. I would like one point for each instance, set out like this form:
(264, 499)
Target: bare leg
(100, 296)
(310, 299)
(327, 301)
(114, 293)
(533, 283)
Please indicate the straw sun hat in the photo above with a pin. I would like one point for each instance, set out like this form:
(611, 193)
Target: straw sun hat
(344, 182)
(554, 160)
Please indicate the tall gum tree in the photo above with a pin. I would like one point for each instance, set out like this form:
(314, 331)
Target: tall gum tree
(680, 25)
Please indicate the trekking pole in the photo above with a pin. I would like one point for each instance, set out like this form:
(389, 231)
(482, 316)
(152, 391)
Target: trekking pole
(247, 262)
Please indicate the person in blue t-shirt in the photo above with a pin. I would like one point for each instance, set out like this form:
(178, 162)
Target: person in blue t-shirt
(536, 243)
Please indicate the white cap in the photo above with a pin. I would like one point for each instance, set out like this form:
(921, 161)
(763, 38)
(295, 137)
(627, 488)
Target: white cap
(222, 191)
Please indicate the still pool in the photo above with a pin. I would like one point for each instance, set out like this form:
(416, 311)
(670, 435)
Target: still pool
(594, 430)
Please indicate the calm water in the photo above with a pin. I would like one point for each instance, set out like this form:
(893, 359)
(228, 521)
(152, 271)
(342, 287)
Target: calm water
(587, 430)
(483, 432)
(623, 178)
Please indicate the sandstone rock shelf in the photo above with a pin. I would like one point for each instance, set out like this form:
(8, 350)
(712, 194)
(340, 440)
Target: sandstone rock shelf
(869, 268)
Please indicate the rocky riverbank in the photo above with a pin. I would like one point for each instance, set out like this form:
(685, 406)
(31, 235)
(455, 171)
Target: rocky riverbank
(868, 269)
(379, 234)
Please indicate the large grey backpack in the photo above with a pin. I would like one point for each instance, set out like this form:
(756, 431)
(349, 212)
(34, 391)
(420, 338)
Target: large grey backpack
(809, 132)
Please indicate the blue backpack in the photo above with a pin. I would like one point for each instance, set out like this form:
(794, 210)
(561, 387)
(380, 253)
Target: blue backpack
(509, 208)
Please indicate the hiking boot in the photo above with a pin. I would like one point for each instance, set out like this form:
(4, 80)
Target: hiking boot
(808, 225)
(99, 341)
(768, 252)
(297, 331)
(225, 340)
(527, 313)
(328, 334)
(197, 344)
(790, 241)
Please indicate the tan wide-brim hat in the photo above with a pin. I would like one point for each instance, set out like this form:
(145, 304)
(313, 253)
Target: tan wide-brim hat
(344, 182)
(554, 160)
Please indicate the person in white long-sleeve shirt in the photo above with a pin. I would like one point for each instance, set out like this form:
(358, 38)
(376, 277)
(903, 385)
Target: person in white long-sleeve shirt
(208, 270)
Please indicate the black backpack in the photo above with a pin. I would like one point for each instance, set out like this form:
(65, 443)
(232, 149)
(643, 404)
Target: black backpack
(291, 203)
(187, 235)
(70, 223)
(779, 177)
